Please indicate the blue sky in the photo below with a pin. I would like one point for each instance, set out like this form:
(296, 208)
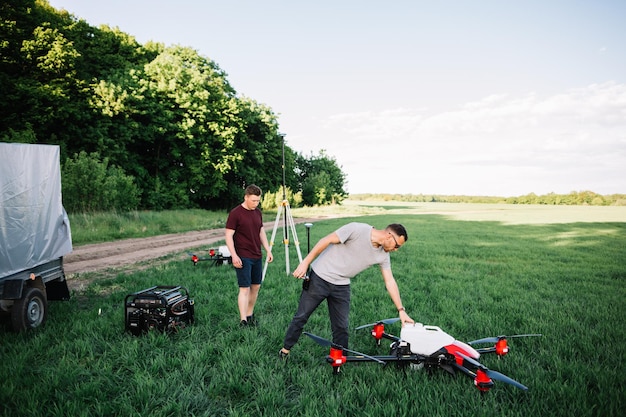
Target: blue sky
(436, 97)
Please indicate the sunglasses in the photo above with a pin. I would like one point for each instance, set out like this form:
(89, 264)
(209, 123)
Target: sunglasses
(396, 242)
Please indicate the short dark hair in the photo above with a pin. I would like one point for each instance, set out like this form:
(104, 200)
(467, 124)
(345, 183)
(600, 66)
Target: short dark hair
(253, 190)
(399, 230)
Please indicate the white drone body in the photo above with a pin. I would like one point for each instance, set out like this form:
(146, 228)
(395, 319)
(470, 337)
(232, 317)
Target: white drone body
(223, 250)
(427, 340)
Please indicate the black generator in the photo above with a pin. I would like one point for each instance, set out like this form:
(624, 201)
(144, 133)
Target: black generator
(162, 308)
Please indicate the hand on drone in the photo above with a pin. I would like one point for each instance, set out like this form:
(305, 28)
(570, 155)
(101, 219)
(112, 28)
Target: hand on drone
(404, 317)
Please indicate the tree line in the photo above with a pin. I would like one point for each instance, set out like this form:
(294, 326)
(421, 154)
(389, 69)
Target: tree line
(574, 198)
(143, 126)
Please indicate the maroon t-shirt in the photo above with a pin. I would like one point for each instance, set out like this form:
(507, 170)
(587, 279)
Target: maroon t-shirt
(247, 226)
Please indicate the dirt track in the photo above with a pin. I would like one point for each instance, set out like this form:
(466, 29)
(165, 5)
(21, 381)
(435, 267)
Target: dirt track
(111, 257)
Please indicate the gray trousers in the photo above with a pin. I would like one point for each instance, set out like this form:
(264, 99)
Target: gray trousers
(338, 299)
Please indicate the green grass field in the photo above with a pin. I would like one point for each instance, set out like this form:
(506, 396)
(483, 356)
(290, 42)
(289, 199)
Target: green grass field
(556, 273)
(107, 227)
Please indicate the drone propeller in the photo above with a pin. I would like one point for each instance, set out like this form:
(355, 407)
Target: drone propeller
(319, 340)
(386, 321)
(498, 338)
(327, 343)
(493, 374)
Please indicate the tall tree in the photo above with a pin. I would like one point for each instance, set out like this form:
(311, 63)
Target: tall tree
(191, 107)
(321, 179)
(261, 152)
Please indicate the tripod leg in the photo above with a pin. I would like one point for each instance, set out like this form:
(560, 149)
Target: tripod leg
(271, 242)
(292, 225)
(286, 236)
(289, 224)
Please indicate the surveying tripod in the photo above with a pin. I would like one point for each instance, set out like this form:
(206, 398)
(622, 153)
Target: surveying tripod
(288, 224)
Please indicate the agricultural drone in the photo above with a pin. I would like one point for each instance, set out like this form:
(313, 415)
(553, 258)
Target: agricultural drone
(428, 347)
(219, 256)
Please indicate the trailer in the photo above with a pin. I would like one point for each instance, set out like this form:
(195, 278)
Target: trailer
(34, 233)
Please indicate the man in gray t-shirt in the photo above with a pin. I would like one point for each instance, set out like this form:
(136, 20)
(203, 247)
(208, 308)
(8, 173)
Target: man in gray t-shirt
(334, 261)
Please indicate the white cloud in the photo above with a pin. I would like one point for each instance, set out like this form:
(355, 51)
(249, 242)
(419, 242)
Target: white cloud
(499, 145)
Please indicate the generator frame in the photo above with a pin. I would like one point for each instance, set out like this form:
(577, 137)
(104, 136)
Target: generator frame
(162, 308)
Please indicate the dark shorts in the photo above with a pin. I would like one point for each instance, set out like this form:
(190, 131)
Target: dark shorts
(251, 272)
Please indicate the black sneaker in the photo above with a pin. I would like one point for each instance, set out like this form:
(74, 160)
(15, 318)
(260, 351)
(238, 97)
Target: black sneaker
(283, 356)
(243, 323)
(252, 321)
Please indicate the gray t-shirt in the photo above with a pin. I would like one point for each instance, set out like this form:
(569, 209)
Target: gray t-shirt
(340, 262)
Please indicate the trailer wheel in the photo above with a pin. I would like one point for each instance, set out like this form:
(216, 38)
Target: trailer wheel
(30, 311)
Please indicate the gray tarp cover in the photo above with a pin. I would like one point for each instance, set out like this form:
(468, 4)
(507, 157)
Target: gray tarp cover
(34, 227)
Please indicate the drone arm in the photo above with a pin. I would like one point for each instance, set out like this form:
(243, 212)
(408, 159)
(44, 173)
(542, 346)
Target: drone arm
(385, 358)
(463, 369)
(391, 337)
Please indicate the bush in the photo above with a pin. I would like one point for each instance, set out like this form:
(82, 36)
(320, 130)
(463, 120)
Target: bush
(272, 201)
(90, 184)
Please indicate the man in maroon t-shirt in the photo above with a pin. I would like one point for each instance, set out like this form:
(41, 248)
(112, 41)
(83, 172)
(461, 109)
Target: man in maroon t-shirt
(244, 236)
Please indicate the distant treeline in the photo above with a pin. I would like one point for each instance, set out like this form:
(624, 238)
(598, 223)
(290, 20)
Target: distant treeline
(575, 198)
